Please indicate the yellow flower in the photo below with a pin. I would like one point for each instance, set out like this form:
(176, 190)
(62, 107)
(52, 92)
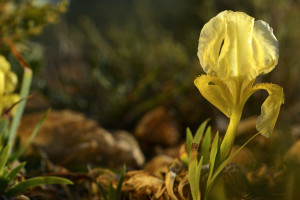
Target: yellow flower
(233, 50)
(8, 82)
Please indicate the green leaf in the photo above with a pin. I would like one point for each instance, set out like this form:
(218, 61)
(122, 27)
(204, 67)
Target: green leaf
(205, 145)
(101, 191)
(118, 191)
(20, 151)
(3, 158)
(189, 139)
(3, 125)
(197, 179)
(25, 87)
(29, 183)
(13, 173)
(111, 192)
(9, 177)
(213, 156)
(200, 131)
(192, 174)
(223, 164)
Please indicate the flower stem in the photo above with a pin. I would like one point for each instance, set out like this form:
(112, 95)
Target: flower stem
(229, 137)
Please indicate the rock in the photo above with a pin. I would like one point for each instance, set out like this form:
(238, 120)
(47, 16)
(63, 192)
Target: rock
(69, 139)
(157, 127)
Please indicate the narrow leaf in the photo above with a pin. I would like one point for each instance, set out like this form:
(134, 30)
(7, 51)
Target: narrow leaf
(25, 87)
(111, 192)
(200, 131)
(29, 183)
(223, 164)
(3, 158)
(20, 151)
(101, 191)
(192, 174)
(213, 155)
(189, 139)
(118, 191)
(197, 179)
(9, 177)
(205, 145)
(13, 173)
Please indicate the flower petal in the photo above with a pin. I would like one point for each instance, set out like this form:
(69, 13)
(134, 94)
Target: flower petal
(270, 108)
(233, 45)
(233, 59)
(216, 92)
(265, 47)
(210, 41)
(236, 56)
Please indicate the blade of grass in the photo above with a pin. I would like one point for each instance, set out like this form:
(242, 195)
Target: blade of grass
(3, 158)
(25, 87)
(9, 177)
(29, 183)
(200, 131)
(3, 124)
(20, 151)
(111, 192)
(197, 179)
(13, 173)
(189, 139)
(101, 191)
(192, 174)
(205, 145)
(223, 164)
(118, 191)
(213, 155)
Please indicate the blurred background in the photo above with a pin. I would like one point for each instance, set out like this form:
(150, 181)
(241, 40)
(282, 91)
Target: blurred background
(116, 60)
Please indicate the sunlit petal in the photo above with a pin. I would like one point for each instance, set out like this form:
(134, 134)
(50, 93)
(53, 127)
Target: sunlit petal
(234, 46)
(265, 47)
(216, 92)
(210, 41)
(270, 108)
(235, 59)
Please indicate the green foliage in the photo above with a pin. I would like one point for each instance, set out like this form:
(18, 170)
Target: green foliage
(202, 156)
(113, 194)
(21, 19)
(7, 155)
(36, 181)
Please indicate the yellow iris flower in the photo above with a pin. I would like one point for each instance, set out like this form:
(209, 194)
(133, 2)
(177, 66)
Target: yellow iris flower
(233, 50)
(8, 82)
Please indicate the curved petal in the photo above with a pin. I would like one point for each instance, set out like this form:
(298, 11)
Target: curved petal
(233, 59)
(216, 92)
(236, 55)
(210, 41)
(270, 108)
(265, 47)
(233, 45)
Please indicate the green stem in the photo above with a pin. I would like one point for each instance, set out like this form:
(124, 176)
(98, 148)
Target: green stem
(229, 137)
